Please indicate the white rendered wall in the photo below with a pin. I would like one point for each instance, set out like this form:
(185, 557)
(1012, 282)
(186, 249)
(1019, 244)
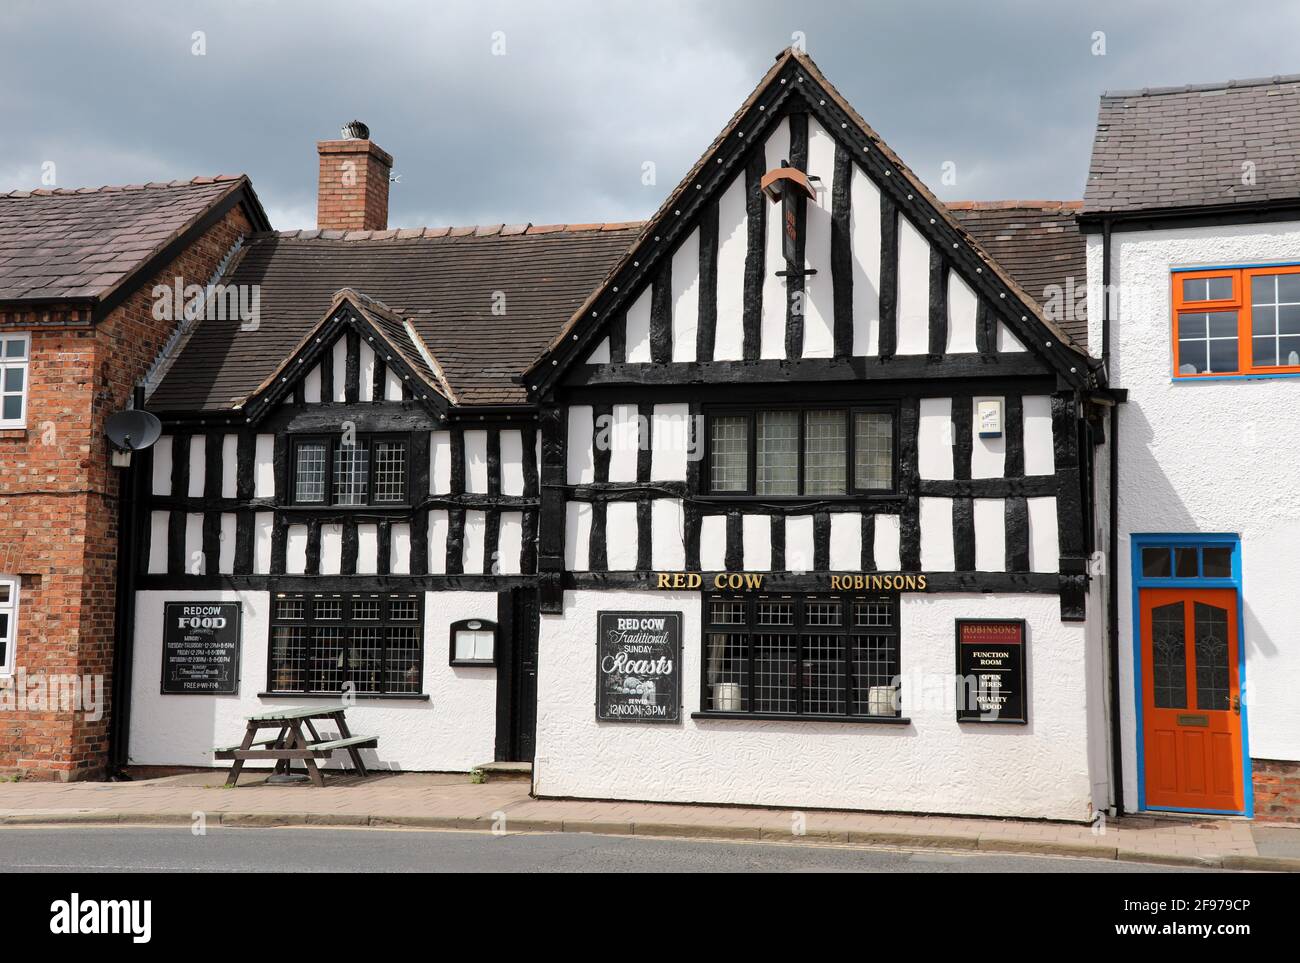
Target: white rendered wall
(1208, 456)
(453, 731)
(932, 765)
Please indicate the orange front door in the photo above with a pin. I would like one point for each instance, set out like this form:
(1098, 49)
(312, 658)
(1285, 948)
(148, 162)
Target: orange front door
(1191, 699)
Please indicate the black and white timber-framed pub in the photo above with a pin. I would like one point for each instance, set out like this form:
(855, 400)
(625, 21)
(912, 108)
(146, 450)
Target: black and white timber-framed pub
(783, 497)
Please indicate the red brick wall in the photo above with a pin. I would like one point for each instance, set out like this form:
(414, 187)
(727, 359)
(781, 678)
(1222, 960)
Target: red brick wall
(352, 191)
(59, 510)
(1277, 790)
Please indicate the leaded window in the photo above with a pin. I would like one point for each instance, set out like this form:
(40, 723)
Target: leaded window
(802, 452)
(351, 470)
(802, 655)
(370, 643)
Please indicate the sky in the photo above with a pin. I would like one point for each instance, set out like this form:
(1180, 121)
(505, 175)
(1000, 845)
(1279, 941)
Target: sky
(521, 111)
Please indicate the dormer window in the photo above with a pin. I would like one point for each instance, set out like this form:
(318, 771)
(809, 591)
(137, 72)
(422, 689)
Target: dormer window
(363, 470)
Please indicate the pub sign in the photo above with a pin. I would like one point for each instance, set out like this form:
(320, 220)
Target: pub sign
(991, 681)
(638, 666)
(200, 648)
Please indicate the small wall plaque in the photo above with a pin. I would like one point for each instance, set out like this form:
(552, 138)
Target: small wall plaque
(989, 418)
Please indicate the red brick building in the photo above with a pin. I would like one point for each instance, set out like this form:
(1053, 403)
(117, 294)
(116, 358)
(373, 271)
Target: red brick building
(79, 328)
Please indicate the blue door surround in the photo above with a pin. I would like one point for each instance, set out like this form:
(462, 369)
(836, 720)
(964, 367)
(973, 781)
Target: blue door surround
(1140, 582)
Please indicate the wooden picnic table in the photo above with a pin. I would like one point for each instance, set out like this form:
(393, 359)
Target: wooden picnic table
(292, 743)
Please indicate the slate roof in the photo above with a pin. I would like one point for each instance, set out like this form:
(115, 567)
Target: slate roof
(447, 281)
(77, 245)
(1039, 244)
(1185, 147)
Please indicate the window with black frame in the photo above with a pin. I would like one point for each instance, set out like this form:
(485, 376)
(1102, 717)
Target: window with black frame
(801, 452)
(350, 470)
(802, 655)
(322, 642)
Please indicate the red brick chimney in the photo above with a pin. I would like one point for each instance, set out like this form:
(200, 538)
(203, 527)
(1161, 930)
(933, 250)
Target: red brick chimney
(353, 186)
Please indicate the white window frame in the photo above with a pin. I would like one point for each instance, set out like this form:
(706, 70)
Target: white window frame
(5, 365)
(11, 609)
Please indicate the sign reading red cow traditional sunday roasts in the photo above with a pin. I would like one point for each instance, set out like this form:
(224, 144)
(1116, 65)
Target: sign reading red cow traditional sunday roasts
(639, 666)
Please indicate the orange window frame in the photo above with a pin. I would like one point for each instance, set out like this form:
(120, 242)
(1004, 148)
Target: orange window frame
(1240, 303)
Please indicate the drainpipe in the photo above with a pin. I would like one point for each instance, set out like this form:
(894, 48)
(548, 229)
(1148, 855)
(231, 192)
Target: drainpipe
(1112, 547)
(119, 709)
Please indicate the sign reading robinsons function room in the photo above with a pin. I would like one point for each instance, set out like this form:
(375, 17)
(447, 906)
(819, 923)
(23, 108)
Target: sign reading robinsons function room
(200, 648)
(639, 666)
(991, 683)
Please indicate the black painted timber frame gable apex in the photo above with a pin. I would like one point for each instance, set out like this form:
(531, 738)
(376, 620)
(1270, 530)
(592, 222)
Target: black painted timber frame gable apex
(793, 86)
(352, 312)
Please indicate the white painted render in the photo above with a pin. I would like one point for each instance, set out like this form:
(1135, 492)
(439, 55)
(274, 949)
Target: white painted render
(772, 327)
(1206, 456)
(819, 289)
(733, 239)
(685, 272)
(934, 764)
(913, 289)
(453, 731)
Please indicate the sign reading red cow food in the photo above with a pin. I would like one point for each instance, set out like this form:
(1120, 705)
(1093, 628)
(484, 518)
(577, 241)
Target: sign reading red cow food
(992, 685)
(200, 648)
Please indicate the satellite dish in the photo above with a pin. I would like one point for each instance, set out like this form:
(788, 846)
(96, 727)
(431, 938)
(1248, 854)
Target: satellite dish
(133, 429)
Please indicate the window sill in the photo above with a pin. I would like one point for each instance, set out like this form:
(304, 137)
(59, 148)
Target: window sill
(473, 664)
(404, 696)
(798, 499)
(1252, 376)
(792, 717)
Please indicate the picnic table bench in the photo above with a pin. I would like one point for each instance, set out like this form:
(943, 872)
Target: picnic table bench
(291, 743)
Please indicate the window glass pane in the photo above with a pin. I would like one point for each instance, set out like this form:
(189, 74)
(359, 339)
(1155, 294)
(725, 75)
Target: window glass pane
(1216, 562)
(1193, 357)
(13, 380)
(16, 348)
(390, 471)
(728, 453)
(1223, 355)
(1288, 351)
(823, 674)
(1288, 288)
(1191, 325)
(1288, 319)
(12, 408)
(825, 453)
(727, 671)
(1218, 289)
(1155, 563)
(1207, 289)
(1185, 562)
(1211, 657)
(1222, 324)
(403, 657)
(1169, 656)
(1264, 351)
(351, 471)
(873, 450)
(309, 484)
(774, 672)
(1263, 320)
(5, 590)
(4, 625)
(1263, 289)
(778, 453)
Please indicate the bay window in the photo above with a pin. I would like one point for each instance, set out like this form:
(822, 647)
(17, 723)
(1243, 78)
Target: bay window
(1237, 321)
(801, 451)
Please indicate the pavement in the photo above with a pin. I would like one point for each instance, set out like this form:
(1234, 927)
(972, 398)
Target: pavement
(454, 802)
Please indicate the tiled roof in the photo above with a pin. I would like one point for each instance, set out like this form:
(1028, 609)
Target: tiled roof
(1038, 243)
(65, 245)
(1196, 146)
(485, 301)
